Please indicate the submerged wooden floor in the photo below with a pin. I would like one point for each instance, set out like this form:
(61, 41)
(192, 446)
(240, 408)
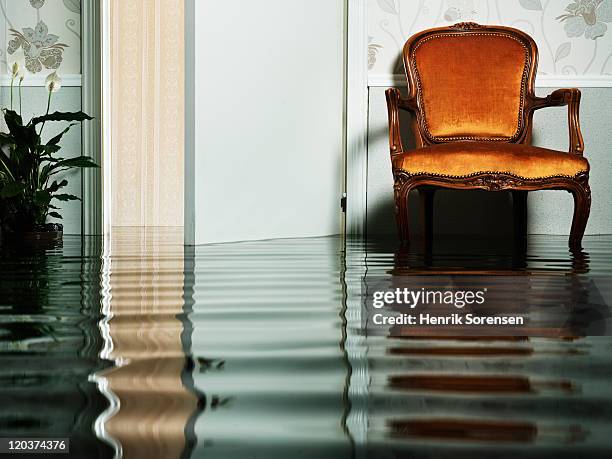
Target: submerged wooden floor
(144, 348)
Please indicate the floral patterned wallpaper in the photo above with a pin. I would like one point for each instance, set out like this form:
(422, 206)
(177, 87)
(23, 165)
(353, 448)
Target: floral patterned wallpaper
(574, 36)
(42, 35)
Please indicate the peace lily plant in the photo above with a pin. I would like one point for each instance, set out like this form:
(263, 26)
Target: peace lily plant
(30, 169)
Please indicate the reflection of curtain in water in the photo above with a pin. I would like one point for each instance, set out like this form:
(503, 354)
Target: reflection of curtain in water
(145, 292)
(146, 108)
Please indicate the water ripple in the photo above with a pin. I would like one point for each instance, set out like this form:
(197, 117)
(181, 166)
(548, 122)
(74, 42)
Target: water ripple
(139, 347)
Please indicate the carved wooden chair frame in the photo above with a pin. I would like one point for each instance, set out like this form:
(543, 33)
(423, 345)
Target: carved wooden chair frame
(577, 185)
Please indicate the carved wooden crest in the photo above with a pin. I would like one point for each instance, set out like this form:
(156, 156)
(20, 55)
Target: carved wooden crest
(467, 26)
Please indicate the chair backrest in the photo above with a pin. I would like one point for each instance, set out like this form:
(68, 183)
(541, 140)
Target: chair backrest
(471, 82)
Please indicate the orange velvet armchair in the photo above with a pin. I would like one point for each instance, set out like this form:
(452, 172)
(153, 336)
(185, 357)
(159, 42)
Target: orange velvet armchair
(471, 93)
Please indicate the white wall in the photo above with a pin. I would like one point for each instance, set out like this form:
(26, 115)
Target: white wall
(264, 112)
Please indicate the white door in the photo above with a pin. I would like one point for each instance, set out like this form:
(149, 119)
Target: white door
(264, 134)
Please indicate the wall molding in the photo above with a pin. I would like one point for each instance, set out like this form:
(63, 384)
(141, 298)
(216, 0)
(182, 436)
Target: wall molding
(190, 124)
(106, 118)
(356, 117)
(91, 103)
(542, 81)
(33, 81)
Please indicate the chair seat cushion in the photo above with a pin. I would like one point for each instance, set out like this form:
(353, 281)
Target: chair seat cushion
(467, 158)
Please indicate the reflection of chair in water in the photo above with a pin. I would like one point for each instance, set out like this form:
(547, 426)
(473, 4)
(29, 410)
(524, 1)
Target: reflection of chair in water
(481, 384)
(493, 259)
(537, 289)
(437, 425)
(477, 431)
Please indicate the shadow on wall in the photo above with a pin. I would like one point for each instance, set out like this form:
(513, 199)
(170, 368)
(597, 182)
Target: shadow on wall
(456, 212)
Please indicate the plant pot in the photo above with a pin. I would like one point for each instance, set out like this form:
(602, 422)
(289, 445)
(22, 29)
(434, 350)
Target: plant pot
(49, 236)
(43, 237)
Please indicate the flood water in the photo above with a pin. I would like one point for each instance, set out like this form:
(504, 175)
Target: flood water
(140, 348)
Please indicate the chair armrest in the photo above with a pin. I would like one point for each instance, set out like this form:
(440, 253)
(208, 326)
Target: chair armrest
(571, 98)
(395, 102)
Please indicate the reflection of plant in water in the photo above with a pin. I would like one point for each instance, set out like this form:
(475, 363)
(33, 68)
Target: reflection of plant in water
(216, 401)
(49, 345)
(209, 364)
(24, 290)
(220, 402)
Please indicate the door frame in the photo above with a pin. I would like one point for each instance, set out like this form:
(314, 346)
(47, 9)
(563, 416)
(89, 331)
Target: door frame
(106, 117)
(97, 188)
(357, 118)
(91, 102)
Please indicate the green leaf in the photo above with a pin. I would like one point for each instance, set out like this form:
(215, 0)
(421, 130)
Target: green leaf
(6, 139)
(61, 116)
(48, 150)
(13, 119)
(55, 140)
(12, 189)
(7, 165)
(55, 215)
(56, 186)
(80, 161)
(44, 173)
(23, 135)
(66, 197)
(42, 198)
(52, 160)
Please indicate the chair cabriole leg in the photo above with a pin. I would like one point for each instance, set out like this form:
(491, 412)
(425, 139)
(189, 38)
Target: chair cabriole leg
(519, 205)
(582, 210)
(427, 203)
(402, 191)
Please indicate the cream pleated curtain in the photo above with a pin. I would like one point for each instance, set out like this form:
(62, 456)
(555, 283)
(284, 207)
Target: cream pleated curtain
(147, 109)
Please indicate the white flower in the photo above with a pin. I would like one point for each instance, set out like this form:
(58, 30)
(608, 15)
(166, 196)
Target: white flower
(53, 82)
(14, 69)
